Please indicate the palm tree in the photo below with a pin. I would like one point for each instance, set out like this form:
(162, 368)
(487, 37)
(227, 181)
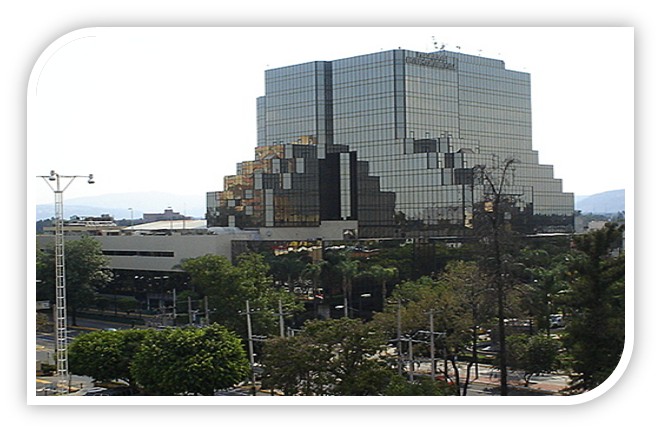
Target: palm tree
(312, 271)
(383, 275)
(348, 268)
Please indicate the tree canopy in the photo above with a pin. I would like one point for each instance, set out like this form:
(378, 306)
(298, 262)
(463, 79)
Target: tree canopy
(189, 361)
(86, 271)
(228, 287)
(105, 355)
(333, 357)
(594, 302)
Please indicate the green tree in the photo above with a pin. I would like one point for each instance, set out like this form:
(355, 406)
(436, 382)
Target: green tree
(86, 272)
(189, 361)
(105, 355)
(312, 271)
(400, 256)
(348, 268)
(288, 267)
(43, 323)
(533, 355)
(399, 386)
(459, 304)
(466, 281)
(333, 357)
(545, 279)
(229, 286)
(595, 304)
(294, 366)
(383, 275)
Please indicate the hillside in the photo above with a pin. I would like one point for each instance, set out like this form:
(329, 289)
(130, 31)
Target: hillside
(602, 203)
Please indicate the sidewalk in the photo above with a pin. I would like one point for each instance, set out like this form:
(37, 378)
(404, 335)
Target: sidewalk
(544, 384)
(489, 377)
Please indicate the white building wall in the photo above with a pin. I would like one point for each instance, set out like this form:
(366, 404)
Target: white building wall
(142, 252)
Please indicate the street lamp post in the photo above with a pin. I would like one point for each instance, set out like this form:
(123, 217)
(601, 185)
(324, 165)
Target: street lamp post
(60, 318)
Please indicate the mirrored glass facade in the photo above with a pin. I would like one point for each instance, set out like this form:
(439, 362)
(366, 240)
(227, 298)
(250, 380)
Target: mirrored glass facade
(289, 185)
(418, 124)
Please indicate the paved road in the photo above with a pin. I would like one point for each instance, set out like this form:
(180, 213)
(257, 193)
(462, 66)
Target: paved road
(488, 381)
(487, 384)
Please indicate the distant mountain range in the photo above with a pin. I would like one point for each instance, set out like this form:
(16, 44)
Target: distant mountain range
(601, 203)
(118, 205)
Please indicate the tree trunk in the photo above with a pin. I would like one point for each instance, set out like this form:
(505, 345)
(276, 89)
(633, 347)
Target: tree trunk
(501, 340)
(456, 375)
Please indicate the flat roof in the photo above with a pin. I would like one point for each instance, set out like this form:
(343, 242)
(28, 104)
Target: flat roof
(170, 225)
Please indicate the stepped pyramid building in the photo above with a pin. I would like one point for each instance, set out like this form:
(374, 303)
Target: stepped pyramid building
(392, 141)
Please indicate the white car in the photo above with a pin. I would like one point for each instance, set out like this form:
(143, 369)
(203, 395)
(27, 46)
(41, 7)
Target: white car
(556, 321)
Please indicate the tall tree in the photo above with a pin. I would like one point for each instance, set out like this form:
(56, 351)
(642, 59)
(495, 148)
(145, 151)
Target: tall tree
(229, 286)
(287, 268)
(348, 268)
(86, 271)
(595, 303)
(383, 275)
(312, 272)
(457, 298)
(466, 281)
(494, 230)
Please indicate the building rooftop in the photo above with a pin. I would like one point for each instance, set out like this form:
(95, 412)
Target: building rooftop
(173, 225)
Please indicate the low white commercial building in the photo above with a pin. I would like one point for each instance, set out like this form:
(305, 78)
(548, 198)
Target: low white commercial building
(162, 246)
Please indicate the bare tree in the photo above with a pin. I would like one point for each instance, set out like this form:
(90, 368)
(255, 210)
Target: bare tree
(494, 230)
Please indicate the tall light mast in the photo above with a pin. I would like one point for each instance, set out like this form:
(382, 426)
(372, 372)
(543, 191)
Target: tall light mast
(60, 313)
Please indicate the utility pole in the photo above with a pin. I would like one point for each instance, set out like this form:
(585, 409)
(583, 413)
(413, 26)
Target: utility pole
(250, 349)
(346, 306)
(174, 307)
(60, 315)
(206, 311)
(281, 319)
(191, 317)
(411, 365)
(431, 345)
(399, 337)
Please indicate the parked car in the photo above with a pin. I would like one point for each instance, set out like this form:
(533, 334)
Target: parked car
(556, 321)
(114, 391)
(95, 391)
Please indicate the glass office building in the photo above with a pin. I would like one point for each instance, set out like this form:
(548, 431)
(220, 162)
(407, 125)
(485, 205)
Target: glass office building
(423, 125)
(292, 185)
